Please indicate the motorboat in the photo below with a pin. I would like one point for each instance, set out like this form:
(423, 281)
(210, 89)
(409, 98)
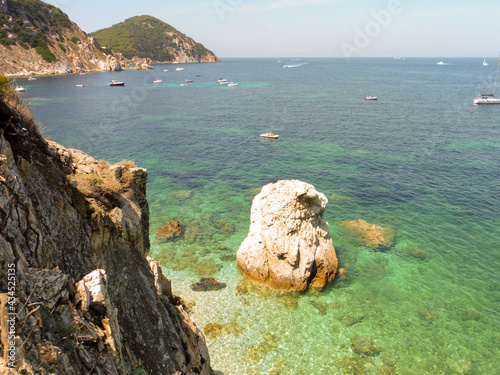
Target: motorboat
(116, 83)
(222, 81)
(489, 98)
(442, 63)
(79, 85)
(269, 135)
(179, 69)
(31, 79)
(198, 75)
(157, 81)
(371, 98)
(188, 80)
(19, 89)
(232, 84)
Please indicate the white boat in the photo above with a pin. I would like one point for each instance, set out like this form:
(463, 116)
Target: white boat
(157, 81)
(222, 81)
(31, 79)
(79, 85)
(371, 98)
(165, 70)
(232, 84)
(116, 83)
(269, 135)
(489, 98)
(179, 69)
(442, 63)
(19, 89)
(485, 63)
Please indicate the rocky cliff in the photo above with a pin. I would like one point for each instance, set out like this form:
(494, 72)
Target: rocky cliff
(79, 293)
(38, 38)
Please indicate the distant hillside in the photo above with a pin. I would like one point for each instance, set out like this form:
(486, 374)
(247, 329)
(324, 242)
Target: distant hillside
(148, 37)
(36, 37)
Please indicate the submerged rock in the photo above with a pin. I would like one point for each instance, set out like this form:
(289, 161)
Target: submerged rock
(169, 232)
(355, 365)
(365, 345)
(207, 284)
(375, 236)
(288, 246)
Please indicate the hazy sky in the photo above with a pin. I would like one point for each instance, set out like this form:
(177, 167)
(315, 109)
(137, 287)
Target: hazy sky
(316, 28)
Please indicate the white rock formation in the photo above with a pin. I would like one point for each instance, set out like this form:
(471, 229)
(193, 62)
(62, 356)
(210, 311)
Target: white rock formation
(288, 246)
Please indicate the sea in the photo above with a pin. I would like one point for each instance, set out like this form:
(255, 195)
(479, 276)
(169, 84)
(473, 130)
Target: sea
(422, 160)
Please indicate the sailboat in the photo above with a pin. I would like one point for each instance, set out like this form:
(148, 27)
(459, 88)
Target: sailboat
(485, 63)
(489, 98)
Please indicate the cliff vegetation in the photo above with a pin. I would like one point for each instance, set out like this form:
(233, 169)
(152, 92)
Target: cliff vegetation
(36, 37)
(148, 37)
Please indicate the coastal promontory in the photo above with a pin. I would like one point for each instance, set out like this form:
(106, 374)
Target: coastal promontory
(288, 246)
(74, 273)
(38, 38)
(148, 37)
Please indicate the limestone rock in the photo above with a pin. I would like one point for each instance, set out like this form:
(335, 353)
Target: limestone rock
(372, 235)
(288, 246)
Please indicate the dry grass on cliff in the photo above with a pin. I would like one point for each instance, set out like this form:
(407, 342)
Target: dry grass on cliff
(9, 95)
(106, 182)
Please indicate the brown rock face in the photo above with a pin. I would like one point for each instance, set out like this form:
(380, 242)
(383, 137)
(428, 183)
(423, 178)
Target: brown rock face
(76, 233)
(288, 246)
(372, 235)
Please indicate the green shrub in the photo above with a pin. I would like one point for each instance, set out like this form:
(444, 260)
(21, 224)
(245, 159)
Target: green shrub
(43, 50)
(75, 40)
(23, 44)
(61, 46)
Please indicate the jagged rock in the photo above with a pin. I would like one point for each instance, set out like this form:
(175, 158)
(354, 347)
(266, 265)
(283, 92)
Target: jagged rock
(162, 283)
(88, 301)
(372, 235)
(288, 246)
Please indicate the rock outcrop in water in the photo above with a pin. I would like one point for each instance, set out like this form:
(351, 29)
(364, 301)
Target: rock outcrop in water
(374, 236)
(288, 246)
(75, 234)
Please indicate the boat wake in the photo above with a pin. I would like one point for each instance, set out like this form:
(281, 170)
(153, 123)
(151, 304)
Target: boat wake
(294, 66)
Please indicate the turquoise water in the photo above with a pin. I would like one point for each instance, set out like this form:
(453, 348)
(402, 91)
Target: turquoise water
(417, 160)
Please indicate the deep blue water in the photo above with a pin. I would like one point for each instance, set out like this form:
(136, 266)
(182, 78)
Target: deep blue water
(417, 160)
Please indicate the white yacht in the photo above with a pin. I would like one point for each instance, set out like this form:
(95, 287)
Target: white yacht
(489, 98)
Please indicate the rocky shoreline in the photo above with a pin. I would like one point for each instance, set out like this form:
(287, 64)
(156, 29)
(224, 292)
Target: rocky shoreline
(74, 233)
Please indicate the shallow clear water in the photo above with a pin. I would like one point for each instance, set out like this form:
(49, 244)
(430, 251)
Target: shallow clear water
(416, 160)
